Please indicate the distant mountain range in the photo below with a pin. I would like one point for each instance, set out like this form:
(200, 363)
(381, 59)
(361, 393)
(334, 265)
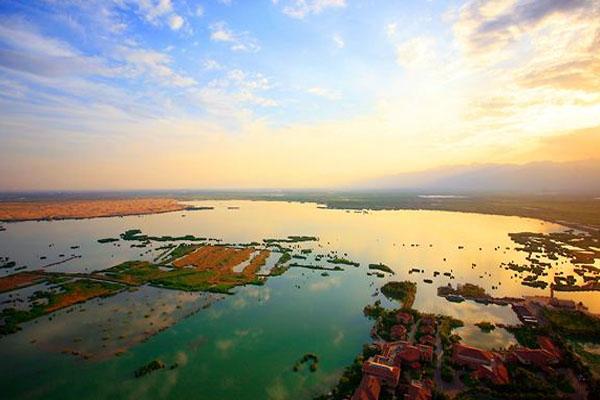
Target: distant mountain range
(577, 177)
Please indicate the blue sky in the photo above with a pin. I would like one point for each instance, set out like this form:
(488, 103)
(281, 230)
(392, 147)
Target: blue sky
(224, 88)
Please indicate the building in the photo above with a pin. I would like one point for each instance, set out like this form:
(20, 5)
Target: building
(428, 321)
(495, 373)
(524, 314)
(368, 389)
(377, 366)
(427, 329)
(404, 352)
(540, 358)
(427, 340)
(417, 391)
(547, 344)
(398, 332)
(404, 318)
(471, 357)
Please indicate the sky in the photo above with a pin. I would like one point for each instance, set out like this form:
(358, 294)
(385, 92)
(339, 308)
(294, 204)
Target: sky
(209, 94)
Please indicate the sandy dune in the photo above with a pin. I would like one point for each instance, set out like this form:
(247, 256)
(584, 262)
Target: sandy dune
(44, 210)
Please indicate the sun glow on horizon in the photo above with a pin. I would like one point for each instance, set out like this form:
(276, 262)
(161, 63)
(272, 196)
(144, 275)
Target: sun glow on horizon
(205, 94)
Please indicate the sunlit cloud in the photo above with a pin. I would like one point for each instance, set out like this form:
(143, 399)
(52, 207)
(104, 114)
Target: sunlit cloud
(221, 100)
(302, 8)
(239, 41)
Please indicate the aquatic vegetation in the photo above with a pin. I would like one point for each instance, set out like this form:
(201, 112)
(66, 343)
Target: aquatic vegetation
(485, 326)
(136, 235)
(20, 280)
(279, 268)
(316, 267)
(198, 208)
(573, 323)
(219, 280)
(291, 239)
(108, 240)
(5, 263)
(381, 267)
(467, 290)
(403, 292)
(181, 250)
(148, 368)
(532, 281)
(311, 358)
(342, 260)
(45, 302)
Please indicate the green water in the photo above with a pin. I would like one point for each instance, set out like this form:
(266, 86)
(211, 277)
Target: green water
(243, 346)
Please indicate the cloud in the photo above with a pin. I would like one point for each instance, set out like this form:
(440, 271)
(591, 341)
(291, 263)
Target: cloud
(548, 49)
(243, 87)
(175, 22)
(301, 8)
(199, 11)
(338, 41)
(325, 93)
(157, 11)
(239, 41)
(391, 29)
(211, 65)
(152, 10)
(153, 64)
(27, 50)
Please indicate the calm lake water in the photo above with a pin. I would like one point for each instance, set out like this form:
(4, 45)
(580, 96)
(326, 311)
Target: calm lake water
(244, 346)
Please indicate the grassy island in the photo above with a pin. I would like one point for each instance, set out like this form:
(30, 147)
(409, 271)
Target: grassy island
(381, 267)
(485, 326)
(403, 292)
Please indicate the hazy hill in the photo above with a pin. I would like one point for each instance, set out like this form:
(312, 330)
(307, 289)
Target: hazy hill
(537, 177)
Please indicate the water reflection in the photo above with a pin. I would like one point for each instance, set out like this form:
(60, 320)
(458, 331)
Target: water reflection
(244, 345)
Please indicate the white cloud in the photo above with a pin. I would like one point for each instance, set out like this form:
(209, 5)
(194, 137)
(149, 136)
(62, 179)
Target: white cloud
(157, 12)
(199, 11)
(325, 93)
(153, 64)
(239, 41)
(211, 65)
(175, 22)
(152, 10)
(301, 8)
(338, 41)
(391, 29)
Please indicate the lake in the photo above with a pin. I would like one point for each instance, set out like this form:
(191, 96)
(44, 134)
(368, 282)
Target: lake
(243, 346)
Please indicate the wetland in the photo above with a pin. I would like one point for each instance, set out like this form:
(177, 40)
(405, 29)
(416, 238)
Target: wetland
(232, 305)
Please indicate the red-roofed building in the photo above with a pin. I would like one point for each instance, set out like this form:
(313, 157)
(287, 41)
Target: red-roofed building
(368, 389)
(417, 391)
(547, 344)
(427, 329)
(495, 373)
(377, 367)
(539, 357)
(398, 332)
(471, 357)
(404, 317)
(426, 352)
(427, 340)
(408, 353)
